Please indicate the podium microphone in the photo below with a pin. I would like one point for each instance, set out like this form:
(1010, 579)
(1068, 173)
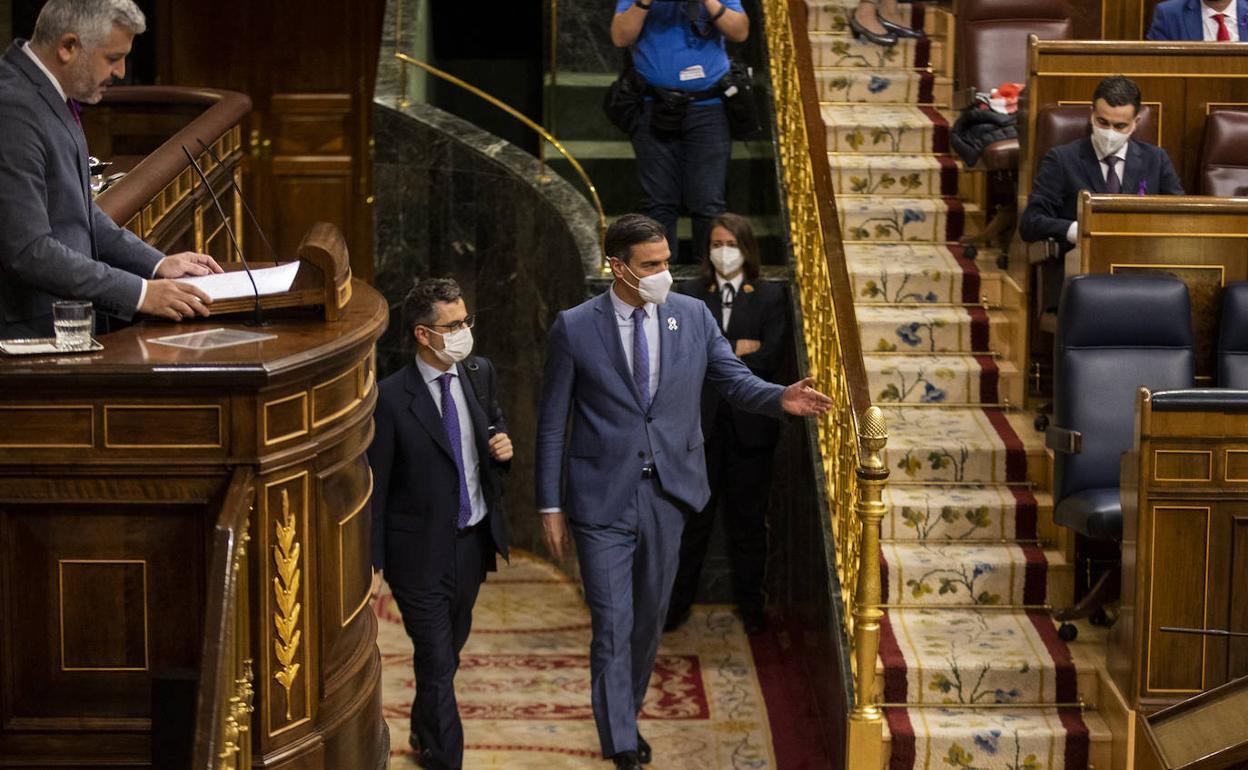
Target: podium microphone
(216, 159)
(1205, 632)
(259, 319)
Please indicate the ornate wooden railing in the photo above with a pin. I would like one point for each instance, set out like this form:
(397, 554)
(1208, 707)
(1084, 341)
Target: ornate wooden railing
(224, 706)
(853, 434)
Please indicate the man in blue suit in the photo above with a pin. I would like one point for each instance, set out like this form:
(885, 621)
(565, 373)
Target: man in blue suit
(1108, 160)
(1223, 21)
(627, 369)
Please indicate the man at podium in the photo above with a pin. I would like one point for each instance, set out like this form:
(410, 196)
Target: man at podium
(55, 242)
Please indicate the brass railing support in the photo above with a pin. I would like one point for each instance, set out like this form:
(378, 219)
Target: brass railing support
(866, 721)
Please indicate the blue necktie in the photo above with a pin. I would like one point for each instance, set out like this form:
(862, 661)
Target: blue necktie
(641, 358)
(450, 421)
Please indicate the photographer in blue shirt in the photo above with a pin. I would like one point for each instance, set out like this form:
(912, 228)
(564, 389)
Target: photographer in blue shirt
(682, 141)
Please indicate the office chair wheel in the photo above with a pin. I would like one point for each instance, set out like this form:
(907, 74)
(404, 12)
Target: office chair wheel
(1101, 618)
(969, 251)
(1067, 632)
(1041, 423)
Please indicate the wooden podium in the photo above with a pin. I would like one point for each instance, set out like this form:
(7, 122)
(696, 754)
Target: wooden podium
(116, 473)
(1207, 732)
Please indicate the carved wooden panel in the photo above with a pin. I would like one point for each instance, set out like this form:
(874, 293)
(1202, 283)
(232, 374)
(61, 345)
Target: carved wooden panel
(1180, 547)
(50, 426)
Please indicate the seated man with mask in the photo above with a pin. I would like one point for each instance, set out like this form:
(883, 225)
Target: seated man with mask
(1108, 160)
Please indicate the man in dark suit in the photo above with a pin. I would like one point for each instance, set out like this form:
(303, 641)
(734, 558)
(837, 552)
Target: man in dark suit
(1106, 161)
(55, 243)
(438, 458)
(739, 444)
(1223, 21)
(626, 369)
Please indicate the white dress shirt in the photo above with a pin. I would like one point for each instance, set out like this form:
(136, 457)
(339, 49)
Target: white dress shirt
(736, 283)
(61, 92)
(1072, 232)
(468, 446)
(624, 322)
(1211, 24)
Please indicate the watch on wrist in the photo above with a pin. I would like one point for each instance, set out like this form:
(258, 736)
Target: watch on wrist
(722, 10)
(643, 6)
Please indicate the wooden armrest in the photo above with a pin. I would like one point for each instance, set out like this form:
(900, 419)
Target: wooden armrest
(1063, 440)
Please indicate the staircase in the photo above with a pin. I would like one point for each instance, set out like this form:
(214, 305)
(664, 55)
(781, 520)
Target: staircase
(970, 664)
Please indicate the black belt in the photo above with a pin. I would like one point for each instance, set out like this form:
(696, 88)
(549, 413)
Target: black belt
(648, 471)
(466, 531)
(714, 92)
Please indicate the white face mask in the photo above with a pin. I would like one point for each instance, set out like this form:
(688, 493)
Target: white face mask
(1107, 141)
(652, 288)
(727, 260)
(456, 346)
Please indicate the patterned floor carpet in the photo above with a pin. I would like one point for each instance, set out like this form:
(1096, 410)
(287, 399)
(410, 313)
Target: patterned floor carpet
(523, 684)
(969, 655)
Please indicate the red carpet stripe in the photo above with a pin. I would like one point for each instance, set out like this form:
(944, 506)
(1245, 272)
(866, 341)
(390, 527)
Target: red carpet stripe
(903, 753)
(927, 83)
(940, 128)
(971, 282)
(1077, 738)
(922, 52)
(989, 379)
(791, 708)
(979, 328)
(1035, 587)
(1067, 688)
(948, 177)
(918, 15)
(1025, 513)
(896, 689)
(1015, 455)
(955, 219)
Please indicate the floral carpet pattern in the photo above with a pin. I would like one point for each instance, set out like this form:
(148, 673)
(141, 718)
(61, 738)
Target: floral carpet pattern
(523, 683)
(971, 671)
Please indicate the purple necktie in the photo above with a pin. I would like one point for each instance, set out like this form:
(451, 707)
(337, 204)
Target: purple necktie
(641, 358)
(75, 111)
(1113, 184)
(450, 421)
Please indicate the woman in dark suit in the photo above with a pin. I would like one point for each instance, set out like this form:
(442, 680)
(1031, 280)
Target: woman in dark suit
(739, 445)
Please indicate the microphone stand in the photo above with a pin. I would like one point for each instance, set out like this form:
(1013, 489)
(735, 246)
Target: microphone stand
(217, 159)
(259, 319)
(1206, 632)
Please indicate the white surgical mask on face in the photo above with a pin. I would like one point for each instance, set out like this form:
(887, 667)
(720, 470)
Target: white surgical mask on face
(1107, 141)
(652, 288)
(456, 346)
(727, 260)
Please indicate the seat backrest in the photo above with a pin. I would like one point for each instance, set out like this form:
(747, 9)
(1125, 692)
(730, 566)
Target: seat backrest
(992, 38)
(1058, 124)
(1233, 337)
(1114, 334)
(1224, 154)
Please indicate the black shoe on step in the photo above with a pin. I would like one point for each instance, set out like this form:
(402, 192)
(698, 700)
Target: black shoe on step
(862, 33)
(675, 621)
(644, 755)
(898, 30)
(626, 760)
(755, 622)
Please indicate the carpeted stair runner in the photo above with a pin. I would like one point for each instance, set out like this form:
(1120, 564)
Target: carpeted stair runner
(970, 665)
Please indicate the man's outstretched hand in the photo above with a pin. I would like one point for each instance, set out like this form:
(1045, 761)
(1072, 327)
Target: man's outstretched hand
(804, 401)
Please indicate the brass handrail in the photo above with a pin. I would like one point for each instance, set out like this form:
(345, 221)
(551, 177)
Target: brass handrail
(526, 120)
(852, 435)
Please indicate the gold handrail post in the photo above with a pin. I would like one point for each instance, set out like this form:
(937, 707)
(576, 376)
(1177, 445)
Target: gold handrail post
(866, 730)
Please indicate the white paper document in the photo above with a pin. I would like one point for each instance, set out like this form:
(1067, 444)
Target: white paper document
(234, 284)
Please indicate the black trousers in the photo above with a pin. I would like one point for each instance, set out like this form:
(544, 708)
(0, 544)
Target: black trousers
(438, 619)
(740, 481)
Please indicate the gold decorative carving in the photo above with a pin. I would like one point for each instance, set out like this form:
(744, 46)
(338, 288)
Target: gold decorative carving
(344, 618)
(286, 552)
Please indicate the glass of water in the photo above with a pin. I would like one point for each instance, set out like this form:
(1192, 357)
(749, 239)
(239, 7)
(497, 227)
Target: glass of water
(73, 321)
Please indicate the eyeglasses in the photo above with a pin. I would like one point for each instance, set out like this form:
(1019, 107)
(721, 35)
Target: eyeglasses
(455, 326)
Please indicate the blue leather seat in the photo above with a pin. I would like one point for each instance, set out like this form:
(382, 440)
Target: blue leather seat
(1114, 334)
(1233, 337)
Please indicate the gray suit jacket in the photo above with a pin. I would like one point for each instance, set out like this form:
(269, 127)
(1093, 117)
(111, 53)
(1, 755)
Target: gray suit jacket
(587, 381)
(48, 221)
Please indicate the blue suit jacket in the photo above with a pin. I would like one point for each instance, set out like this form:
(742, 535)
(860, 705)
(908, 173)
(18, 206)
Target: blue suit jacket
(1184, 20)
(48, 222)
(1071, 168)
(587, 381)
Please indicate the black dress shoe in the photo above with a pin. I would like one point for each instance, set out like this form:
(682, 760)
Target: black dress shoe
(676, 621)
(887, 40)
(899, 30)
(644, 755)
(626, 760)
